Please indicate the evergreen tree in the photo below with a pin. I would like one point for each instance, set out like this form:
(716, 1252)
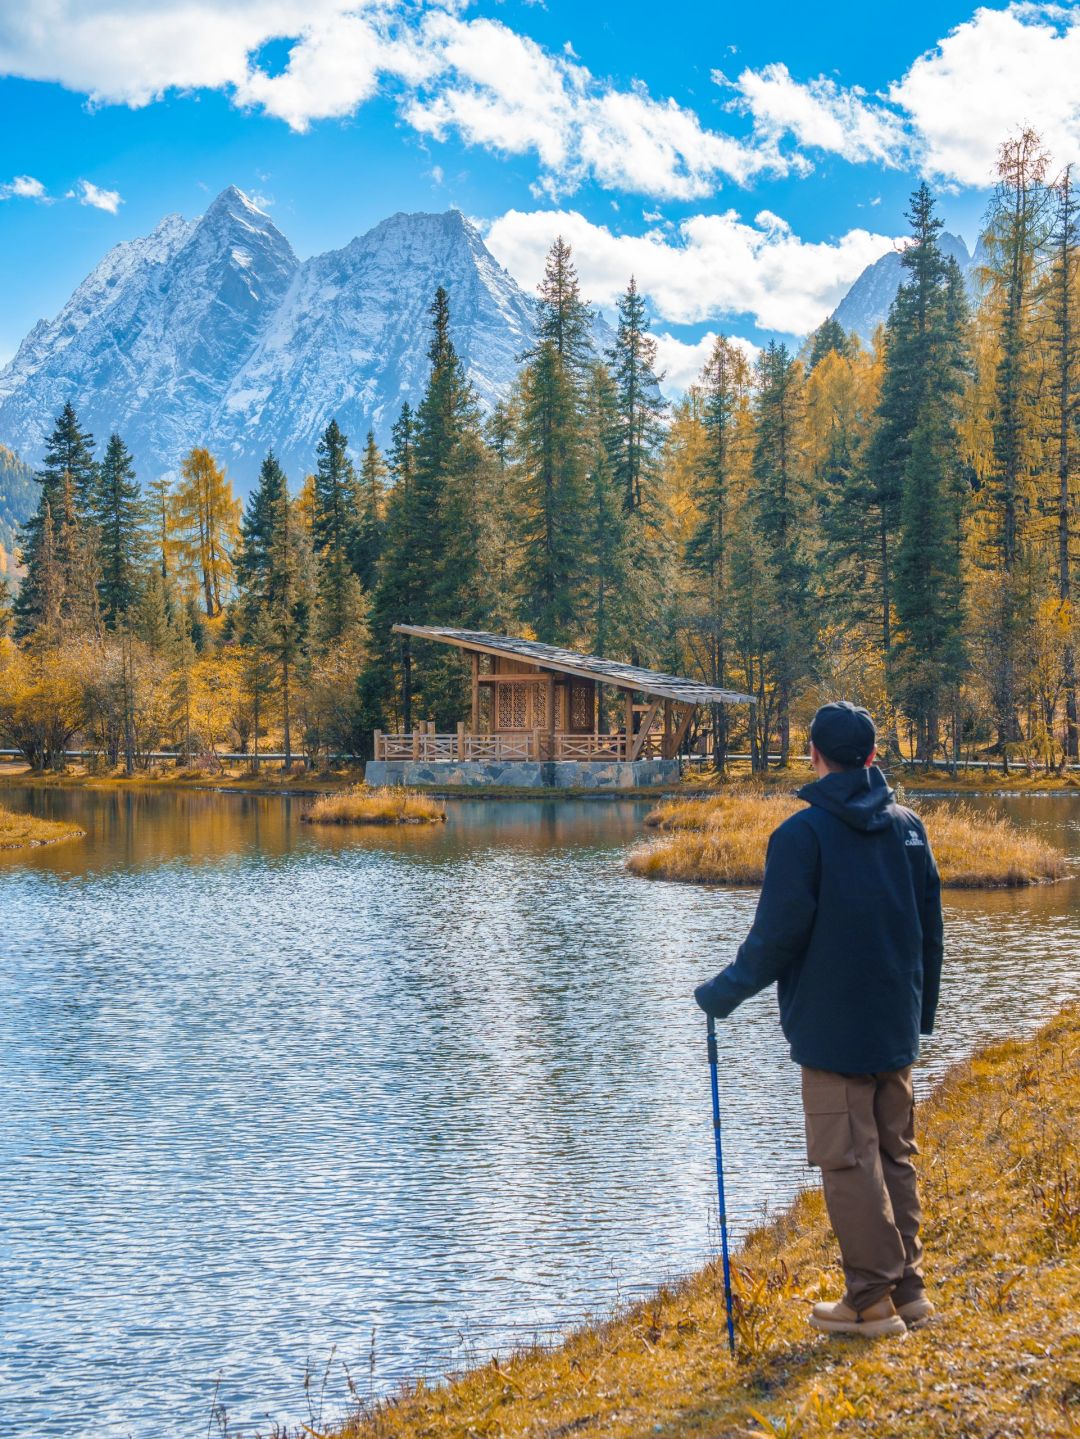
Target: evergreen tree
(400, 589)
(563, 319)
(608, 622)
(725, 393)
(120, 517)
(780, 517)
(639, 404)
(67, 478)
(828, 339)
(554, 497)
(334, 534)
(257, 531)
(369, 534)
(1064, 345)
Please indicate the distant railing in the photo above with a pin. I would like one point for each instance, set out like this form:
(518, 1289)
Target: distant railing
(427, 746)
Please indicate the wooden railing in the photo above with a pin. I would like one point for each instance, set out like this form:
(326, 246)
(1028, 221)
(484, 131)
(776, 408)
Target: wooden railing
(426, 745)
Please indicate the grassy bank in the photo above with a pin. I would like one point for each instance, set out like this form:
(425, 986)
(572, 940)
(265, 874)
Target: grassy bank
(1000, 1173)
(359, 805)
(26, 831)
(722, 840)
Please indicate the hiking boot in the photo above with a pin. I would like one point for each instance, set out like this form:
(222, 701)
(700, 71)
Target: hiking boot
(874, 1322)
(916, 1312)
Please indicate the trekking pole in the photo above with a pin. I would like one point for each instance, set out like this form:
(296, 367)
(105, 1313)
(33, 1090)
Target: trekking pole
(720, 1180)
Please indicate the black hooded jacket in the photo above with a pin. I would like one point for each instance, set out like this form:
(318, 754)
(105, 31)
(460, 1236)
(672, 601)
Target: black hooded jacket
(848, 926)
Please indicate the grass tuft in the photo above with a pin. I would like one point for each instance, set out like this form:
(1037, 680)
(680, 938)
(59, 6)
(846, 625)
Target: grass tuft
(722, 840)
(26, 831)
(1000, 1170)
(361, 805)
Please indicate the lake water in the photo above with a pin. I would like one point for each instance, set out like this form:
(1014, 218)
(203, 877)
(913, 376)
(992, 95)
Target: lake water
(272, 1093)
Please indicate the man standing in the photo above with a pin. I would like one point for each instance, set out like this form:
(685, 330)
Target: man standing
(849, 928)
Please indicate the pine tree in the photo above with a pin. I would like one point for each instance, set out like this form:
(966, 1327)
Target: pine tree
(829, 339)
(563, 319)
(640, 406)
(780, 517)
(1019, 218)
(334, 534)
(929, 583)
(1064, 345)
(257, 531)
(400, 589)
(725, 382)
(120, 516)
(369, 534)
(607, 627)
(553, 498)
(67, 477)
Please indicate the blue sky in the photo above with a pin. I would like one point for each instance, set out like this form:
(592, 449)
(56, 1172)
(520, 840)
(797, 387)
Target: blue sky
(745, 161)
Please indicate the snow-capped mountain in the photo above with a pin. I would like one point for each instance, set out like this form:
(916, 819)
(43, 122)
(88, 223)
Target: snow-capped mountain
(866, 304)
(211, 332)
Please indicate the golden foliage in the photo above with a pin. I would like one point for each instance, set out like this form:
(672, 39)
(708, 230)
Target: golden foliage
(1000, 1173)
(360, 805)
(722, 840)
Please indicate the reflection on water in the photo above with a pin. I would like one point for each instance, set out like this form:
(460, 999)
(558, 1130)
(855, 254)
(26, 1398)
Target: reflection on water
(269, 1088)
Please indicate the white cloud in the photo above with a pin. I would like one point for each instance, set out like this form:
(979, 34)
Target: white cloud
(502, 90)
(821, 115)
(997, 72)
(711, 267)
(476, 78)
(682, 361)
(91, 194)
(24, 187)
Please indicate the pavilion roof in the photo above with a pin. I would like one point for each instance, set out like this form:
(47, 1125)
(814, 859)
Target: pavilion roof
(553, 657)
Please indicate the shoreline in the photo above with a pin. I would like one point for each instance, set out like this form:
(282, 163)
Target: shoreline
(998, 1171)
(304, 785)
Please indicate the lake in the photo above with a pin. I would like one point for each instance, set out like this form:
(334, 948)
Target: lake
(279, 1098)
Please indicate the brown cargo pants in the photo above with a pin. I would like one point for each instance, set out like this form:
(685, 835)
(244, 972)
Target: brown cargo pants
(860, 1131)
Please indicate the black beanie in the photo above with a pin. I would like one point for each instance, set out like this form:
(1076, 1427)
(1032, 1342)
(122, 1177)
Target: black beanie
(844, 732)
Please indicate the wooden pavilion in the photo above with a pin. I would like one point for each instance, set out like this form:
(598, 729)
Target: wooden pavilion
(539, 704)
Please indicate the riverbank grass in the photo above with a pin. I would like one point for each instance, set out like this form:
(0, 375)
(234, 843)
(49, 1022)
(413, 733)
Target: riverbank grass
(722, 840)
(360, 805)
(1000, 1173)
(26, 831)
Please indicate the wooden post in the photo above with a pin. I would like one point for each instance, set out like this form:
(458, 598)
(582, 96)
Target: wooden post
(628, 710)
(551, 714)
(378, 744)
(461, 739)
(536, 743)
(416, 743)
(666, 747)
(475, 693)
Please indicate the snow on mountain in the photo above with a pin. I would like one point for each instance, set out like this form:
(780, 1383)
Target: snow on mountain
(866, 304)
(211, 332)
(349, 338)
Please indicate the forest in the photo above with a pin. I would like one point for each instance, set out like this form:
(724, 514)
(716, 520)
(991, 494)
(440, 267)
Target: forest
(892, 524)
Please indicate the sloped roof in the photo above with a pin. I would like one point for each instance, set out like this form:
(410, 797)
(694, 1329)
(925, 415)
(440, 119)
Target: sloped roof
(608, 672)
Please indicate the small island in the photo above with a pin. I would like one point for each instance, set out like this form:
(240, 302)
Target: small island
(722, 840)
(361, 805)
(27, 831)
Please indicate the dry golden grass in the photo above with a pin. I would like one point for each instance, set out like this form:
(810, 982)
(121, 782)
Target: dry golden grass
(26, 831)
(1000, 1173)
(361, 805)
(722, 840)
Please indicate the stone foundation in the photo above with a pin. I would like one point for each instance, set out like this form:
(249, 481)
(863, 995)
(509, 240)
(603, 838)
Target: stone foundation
(523, 774)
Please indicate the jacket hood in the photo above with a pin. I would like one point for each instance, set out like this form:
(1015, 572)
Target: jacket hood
(859, 797)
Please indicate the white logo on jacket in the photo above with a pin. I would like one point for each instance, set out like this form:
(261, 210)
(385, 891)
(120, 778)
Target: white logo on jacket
(915, 838)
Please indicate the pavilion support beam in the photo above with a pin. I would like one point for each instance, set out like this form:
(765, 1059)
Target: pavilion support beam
(475, 693)
(680, 733)
(646, 725)
(665, 747)
(628, 721)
